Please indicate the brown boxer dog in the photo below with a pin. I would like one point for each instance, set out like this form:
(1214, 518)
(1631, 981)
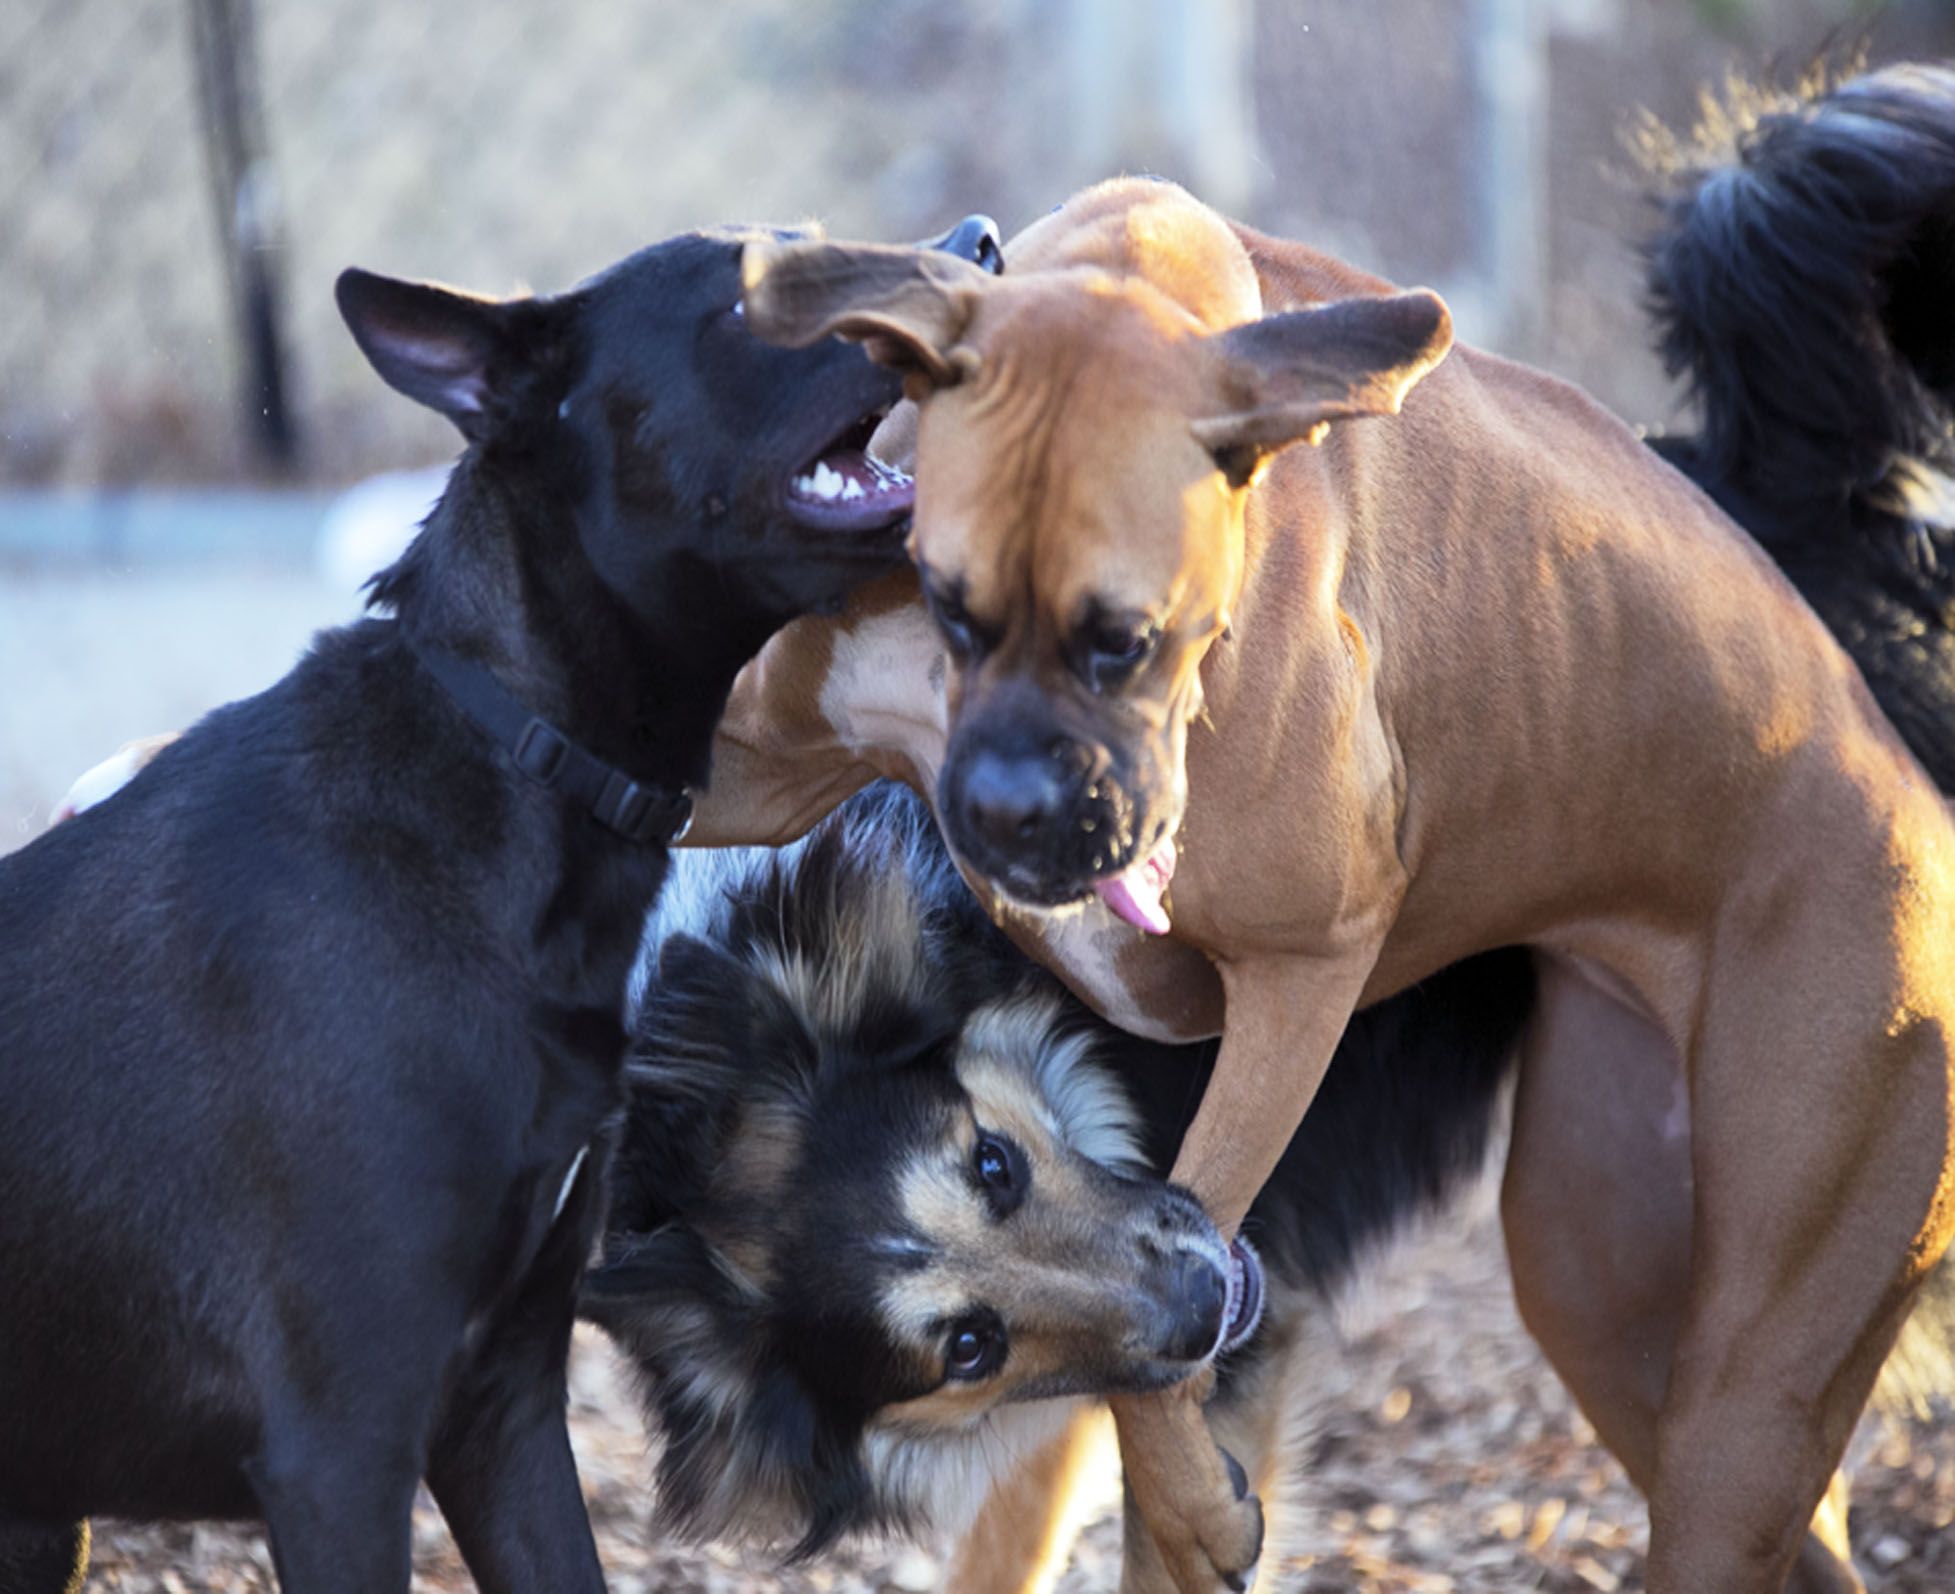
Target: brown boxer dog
(1493, 675)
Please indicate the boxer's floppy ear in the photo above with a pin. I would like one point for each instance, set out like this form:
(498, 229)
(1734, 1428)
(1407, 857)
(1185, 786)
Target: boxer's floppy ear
(1285, 378)
(908, 307)
(450, 351)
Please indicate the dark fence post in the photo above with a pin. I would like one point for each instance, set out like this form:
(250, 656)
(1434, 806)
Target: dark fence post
(250, 229)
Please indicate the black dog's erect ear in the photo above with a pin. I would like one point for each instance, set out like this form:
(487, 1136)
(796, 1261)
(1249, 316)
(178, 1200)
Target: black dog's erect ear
(907, 307)
(448, 350)
(1285, 378)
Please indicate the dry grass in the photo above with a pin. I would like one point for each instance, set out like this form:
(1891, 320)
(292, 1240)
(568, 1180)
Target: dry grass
(1448, 1461)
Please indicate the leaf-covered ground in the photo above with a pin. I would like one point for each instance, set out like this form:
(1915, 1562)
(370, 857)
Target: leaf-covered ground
(1447, 1460)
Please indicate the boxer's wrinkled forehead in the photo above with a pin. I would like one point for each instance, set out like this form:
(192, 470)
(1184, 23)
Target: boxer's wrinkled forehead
(1064, 484)
(1085, 441)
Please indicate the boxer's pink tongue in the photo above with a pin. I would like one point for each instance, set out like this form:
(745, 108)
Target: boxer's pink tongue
(1136, 894)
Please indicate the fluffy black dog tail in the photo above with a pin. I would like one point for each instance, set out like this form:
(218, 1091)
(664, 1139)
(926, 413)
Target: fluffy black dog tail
(1800, 279)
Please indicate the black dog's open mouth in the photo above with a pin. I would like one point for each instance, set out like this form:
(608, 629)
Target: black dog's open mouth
(846, 488)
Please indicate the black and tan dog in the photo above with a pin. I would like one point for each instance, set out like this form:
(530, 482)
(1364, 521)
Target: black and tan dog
(890, 1205)
(311, 1031)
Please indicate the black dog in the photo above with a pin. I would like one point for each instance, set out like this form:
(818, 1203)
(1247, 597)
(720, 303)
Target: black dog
(1804, 281)
(314, 1030)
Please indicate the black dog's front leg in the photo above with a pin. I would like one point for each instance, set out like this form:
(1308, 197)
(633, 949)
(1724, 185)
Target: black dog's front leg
(508, 1487)
(501, 1467)
(339, 1515)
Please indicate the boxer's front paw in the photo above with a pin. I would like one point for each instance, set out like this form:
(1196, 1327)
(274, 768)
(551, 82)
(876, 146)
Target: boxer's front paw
(1205, 1527)
(1226, 1541)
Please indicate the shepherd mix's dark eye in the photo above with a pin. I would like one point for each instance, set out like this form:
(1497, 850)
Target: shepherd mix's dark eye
(1001, 1172)
(994, 1164)
(976, 1347)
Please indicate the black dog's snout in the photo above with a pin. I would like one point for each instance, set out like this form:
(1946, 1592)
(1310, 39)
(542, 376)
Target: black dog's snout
(1196, 1296)
(975, 239)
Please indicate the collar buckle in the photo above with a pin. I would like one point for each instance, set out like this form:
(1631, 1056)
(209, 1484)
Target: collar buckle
(541, 751)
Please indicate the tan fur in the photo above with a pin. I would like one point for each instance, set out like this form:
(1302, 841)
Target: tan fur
(1046, 1270)
(1497, 676)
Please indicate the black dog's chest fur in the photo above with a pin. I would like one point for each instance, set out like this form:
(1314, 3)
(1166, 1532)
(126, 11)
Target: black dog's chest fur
(331, 968)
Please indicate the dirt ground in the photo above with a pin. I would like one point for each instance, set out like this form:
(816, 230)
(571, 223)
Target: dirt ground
(1447, 1458)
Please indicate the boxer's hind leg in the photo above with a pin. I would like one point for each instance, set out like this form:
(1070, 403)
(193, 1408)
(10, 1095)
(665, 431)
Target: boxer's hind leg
(1821, 1158)
(1596, 1205)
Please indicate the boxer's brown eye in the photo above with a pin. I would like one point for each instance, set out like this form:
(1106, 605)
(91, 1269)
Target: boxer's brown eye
(1114, 652)
(958, 629)
(1237, 462)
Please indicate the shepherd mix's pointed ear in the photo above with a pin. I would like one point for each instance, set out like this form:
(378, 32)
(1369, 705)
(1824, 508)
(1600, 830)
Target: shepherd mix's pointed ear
(448, 350)
(1284, 378)
(908, 307)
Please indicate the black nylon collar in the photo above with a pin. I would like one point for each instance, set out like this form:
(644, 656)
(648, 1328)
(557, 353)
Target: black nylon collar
(636, 811)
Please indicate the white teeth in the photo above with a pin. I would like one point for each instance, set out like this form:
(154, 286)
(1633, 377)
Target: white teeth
(835, 486)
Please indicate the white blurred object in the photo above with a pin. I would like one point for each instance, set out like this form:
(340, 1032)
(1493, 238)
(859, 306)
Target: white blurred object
(369, 525)
(110, 776)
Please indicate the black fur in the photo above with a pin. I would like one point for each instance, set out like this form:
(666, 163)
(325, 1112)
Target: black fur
(714, 1041)
(1803, 279)
(306, 1028)
(1403, 1116)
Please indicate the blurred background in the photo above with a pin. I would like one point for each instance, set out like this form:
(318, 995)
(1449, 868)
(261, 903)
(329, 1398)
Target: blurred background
(181, 180)
(189, 441)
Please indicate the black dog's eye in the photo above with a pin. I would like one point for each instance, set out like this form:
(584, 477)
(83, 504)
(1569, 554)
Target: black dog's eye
(975, 1348)
(1114, 652)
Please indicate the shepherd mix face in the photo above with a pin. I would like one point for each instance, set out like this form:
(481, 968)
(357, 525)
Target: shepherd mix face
(874, 1238)
(1088, 438)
